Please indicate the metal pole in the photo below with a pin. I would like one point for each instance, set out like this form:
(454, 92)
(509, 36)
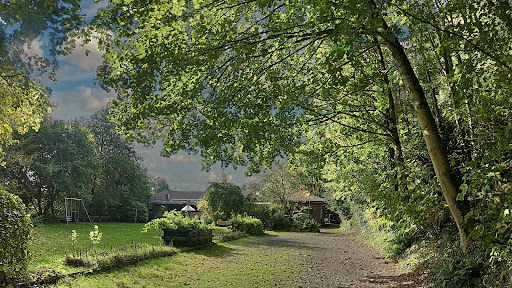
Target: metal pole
(86, 212)
(66, 205)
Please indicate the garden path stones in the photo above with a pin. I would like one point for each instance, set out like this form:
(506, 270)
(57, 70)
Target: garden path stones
(339, 261)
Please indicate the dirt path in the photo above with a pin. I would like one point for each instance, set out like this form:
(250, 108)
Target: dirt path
(340, 261)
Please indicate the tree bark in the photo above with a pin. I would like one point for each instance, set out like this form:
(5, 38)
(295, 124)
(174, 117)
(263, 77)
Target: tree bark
(392, 118)
(433, 140)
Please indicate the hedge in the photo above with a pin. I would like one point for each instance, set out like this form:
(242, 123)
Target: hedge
(15, 229)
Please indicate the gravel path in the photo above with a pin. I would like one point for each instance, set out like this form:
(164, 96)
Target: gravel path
(340, 261)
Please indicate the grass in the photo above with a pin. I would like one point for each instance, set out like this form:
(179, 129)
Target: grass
(246, 262)
(52, 242)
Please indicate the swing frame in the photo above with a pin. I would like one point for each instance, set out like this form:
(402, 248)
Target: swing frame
(78, 211)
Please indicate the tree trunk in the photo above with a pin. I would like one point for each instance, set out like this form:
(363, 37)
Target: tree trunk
(391, 115)
(433, 140)
(435, 104)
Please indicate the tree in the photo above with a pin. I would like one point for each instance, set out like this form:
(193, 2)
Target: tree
(223, 200)
(25, 98)
(122, 187)
(241, 82)
(57, 161)
(158, 185)
(281, 187)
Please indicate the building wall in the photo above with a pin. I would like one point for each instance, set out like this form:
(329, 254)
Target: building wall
(317, 210)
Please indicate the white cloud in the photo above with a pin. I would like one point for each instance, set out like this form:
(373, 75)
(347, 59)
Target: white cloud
(93, 99)
(34, 48)
(87, 56)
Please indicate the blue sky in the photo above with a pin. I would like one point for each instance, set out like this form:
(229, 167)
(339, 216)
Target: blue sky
(76, 95)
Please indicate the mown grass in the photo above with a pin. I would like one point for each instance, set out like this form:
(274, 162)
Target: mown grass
(52, 242)
(246, 262)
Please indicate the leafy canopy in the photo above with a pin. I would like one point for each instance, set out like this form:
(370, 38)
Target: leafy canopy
(24, 98)
(223, 200)
(237, 82)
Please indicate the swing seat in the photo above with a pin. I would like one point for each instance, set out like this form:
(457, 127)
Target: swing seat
(62, 218)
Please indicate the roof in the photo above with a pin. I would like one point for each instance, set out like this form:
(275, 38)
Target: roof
(302, 197)
(177, 197)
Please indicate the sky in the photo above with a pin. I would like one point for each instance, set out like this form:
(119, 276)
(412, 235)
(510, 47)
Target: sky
(76, 95)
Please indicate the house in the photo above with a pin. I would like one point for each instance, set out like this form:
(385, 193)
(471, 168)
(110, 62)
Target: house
(175, 200)
(314, 206)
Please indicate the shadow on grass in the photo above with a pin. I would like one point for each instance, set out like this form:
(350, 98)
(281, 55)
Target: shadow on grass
(278, 240)
(215, 251)
(412, 279)
(265, 241)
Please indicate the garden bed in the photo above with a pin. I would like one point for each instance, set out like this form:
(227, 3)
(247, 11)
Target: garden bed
(187, 237)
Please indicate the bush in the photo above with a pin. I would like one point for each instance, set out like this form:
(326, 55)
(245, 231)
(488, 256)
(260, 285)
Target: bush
(174, 220)
(128, 213)
(222, 200)
(273, 217)
(302, 223)
(249, 225)
(15, 228)
(456, 269)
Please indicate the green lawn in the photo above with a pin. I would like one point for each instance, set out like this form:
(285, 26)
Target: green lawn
(51, 242)
(246, 262)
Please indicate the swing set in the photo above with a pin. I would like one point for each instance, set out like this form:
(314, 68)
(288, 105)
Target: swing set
(74, 215)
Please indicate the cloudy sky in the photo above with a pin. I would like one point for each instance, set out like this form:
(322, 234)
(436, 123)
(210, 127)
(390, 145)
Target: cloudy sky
(76, 95)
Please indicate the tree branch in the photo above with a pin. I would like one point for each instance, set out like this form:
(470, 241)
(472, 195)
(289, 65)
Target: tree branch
(454, 34)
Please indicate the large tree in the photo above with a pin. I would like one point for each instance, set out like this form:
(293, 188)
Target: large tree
(241, 81)
(24, 98)
(121, 185)
(57, 161)
(223, 200)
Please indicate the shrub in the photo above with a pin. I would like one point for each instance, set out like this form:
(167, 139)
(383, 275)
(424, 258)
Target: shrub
(273, 217)
(174, 220)
(222, 200)
(456, 269)
(15, 228)
(302, 223)
(249, 225)
(131, 212)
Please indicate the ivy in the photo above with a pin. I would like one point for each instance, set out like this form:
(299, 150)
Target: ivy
(15, 229)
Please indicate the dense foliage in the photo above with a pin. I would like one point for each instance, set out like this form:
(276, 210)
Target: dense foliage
(81, 160)
(174, 220)
(272, 216)
(223, 200)
(55, 162)
(25, 98)
(247, 224)
(15, 228)
(121, 187)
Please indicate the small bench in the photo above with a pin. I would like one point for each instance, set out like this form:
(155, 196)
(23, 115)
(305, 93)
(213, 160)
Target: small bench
(223, 223)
